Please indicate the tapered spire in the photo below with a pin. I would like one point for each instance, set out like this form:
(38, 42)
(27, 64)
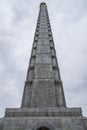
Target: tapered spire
(43, 86)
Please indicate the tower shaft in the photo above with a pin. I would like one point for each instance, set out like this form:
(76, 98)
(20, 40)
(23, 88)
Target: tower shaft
(43, 86)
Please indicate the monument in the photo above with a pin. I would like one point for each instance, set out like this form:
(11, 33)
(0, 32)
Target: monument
(43, 104)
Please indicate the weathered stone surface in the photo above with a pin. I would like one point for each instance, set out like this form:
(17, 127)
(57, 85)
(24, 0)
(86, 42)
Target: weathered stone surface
(43, 30)
(43, 71)
(43, 112)
(43, 59)
(43, 42)
(43, 49)
(53, 123)
(43, 93)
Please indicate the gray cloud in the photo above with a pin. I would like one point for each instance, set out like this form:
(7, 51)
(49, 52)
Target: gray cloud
(17, 26)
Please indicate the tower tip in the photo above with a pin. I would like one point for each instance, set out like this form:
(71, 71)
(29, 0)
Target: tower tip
(43, 3)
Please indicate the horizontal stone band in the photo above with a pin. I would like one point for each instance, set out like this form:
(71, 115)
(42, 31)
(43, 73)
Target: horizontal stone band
(23, 113)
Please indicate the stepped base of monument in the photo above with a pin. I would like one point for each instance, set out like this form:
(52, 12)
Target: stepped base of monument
(43, 119)
(27, 112)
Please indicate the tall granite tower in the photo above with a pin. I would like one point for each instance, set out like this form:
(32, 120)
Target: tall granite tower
(43, 104)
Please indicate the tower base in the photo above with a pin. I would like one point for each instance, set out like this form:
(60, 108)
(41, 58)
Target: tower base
(43, 119)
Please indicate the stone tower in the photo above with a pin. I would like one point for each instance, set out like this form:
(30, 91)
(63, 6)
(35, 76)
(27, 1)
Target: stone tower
(43, 87)
(43, 104)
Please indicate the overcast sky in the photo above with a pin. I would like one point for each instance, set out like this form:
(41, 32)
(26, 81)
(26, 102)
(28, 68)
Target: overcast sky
(17, 26)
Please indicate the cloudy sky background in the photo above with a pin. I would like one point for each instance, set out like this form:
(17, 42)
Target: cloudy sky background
(17, 26)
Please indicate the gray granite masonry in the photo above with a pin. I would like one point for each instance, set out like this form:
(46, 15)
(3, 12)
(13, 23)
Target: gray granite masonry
(43, 104)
